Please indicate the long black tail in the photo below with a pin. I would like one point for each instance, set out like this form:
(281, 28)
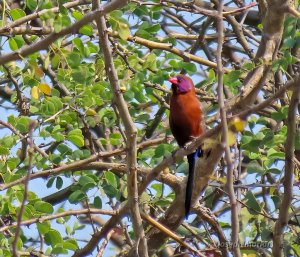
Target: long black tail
(189, 186)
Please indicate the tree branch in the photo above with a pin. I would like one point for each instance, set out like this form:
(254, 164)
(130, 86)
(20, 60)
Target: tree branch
(58, 215)
(131, 134)
(224, 139)
(288, 176)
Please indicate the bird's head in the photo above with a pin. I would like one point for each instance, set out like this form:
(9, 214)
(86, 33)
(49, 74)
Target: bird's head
(181, 84)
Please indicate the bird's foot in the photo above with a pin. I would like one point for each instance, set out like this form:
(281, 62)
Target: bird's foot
(186, 146)
(192, 138)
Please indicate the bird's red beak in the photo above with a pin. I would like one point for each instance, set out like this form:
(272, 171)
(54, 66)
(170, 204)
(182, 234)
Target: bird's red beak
(173, 80)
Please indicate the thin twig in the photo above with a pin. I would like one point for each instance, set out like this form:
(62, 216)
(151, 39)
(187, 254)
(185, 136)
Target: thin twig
(16, 132)
(288, 176)
(104, 243)
(224, 140)
(32, 125)
(58, 215)
(170, 233)
(208, 216)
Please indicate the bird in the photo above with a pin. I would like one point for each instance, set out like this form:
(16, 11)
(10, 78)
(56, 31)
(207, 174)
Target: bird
(186, 123)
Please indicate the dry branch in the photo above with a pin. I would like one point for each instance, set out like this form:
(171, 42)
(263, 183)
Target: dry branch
(288, 176)
(131, 135)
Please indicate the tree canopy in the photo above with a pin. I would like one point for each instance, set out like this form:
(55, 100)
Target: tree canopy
(88, 162)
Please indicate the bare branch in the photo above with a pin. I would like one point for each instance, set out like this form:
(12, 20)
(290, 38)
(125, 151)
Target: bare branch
(104, 243)
(288, 176)
(32, 125)
(170, 233)
(58, 215)
(224, 140)
(131, 134)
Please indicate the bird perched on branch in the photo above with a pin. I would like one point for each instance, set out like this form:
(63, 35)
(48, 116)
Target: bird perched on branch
(186, 123)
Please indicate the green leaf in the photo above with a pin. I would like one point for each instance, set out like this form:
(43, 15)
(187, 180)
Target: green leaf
(111, 179)
(70, 245)
(93, 47)
(64, 149)
(48, 107)
(65, 19)
(3, 150)
(276, 200)
(77, 15)
(266, 234)
(296, 248)
(248, 66)
(119, 24)
(150, 62)
(59, 182)
(76, 137)
(111, 191)
(77, 41)
(29, 212)
(53, 238)
(23, 124)
(162, 150)
(232, 78)
(158, 188)
(97, 202)
(153, 29)
(254, 166)
(252, 203)
(224, 225)
(281, 114)
(59, 250)
(83, 180)
(82, 75)
(55, 158)
(57, 24)
(124, 31)
(274, 171)
(50, 182)
(76, 196)
(74, 59)
(33, 109)
(43, 207)
(8, 141)
(289, 43)
(188, 66)
(86, 30)
(31, 4)
(272, 153)
(12, 163)
(58, 137)
(13, 44)
(141, 11)
(43, 227)
(55, 61)
(17, 14)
